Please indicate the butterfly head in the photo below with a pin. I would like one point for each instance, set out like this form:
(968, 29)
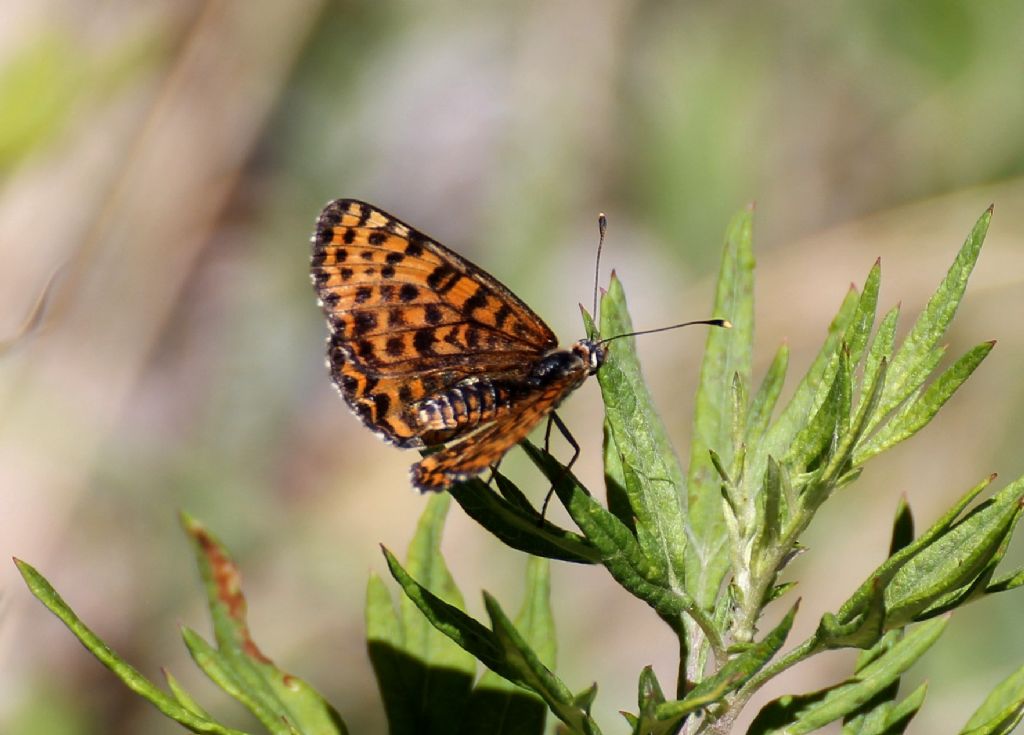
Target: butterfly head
(591, 353)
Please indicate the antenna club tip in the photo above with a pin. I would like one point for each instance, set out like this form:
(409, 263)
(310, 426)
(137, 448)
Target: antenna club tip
(726, 324)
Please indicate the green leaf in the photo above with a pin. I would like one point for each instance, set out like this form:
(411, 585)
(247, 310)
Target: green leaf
(859, 329)
(428, 567)
(806, 400)
(649, 692)
(917, 413)
(183, 697)
(873, 715)
(731, 676)
(391, 664)
(651, 475)
(424, 677)
(252, 693)
(888, 718)
(773, 500)
(470, 635)
(532, 672)
(727, 355)
(497, 705)
(763, 403)
(503, 650)
(915, 358)
(902, 527)
(1002, 710)
(132, 678)
(796, 715)
(282, 702)
(817, 381)
(643, 576)
(955, 558)
(518, 528)
(900, 716)
(871, 589)
(814, 444)
(880, 354)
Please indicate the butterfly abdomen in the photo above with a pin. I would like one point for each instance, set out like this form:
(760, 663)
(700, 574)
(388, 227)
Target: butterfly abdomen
(468, 404)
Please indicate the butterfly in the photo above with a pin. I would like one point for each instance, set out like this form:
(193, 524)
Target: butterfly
(430, 350)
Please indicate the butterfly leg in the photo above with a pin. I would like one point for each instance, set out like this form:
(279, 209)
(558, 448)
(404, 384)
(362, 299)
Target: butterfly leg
(554, 420)
(494, 472)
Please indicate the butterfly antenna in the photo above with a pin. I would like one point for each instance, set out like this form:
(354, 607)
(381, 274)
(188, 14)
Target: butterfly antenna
(602, 226)
(724, 323)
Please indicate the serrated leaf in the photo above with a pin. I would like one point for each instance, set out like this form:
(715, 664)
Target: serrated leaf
(797, 715)
(916, 414)
(253, 694)
(763, 403)
(814, 444)
(532, 672)
(727, 355)
(652, 477)
(644, 577)
(914, 360)
(869, 590)
(1002, 709)
(497, 705)
(880, 353)
(806, 400)
(470, 635)
(132, 678)
(283, 702)
(953, 559)
(859, 329)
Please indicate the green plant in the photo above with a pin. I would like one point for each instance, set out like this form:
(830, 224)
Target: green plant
(704, 548)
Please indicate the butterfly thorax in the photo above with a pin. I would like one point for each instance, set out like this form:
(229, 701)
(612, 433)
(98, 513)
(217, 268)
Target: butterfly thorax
(580, 361)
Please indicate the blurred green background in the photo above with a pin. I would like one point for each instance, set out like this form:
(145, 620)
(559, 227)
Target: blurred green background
(169, 158)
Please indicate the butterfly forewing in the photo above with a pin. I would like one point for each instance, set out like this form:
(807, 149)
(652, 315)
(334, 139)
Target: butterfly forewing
(409, 318)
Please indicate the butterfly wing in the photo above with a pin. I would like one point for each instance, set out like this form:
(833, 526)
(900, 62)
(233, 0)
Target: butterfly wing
(409, 317)
(474, 453)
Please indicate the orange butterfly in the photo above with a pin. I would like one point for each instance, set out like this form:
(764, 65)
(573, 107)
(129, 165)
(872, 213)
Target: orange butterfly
(429, 350)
